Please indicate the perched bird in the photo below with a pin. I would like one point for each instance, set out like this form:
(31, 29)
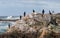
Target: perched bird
(24, 14)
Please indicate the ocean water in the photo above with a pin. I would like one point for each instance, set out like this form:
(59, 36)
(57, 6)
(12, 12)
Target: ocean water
(9, 17)
(4, 24)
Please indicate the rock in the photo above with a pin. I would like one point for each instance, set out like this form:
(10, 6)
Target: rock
(33, 26)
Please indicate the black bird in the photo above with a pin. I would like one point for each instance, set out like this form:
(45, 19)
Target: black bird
(24, 13)
(50, 12)
(33, 10)
(43, 11)
(20, 17)
(9, 25)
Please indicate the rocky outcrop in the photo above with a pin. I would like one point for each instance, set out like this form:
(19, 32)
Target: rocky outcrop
(32, 26)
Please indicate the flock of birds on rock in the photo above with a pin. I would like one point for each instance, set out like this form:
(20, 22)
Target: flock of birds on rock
(34, 25)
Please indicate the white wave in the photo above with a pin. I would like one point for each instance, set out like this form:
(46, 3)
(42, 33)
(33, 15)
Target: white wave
(12, 17)
(9, 17)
